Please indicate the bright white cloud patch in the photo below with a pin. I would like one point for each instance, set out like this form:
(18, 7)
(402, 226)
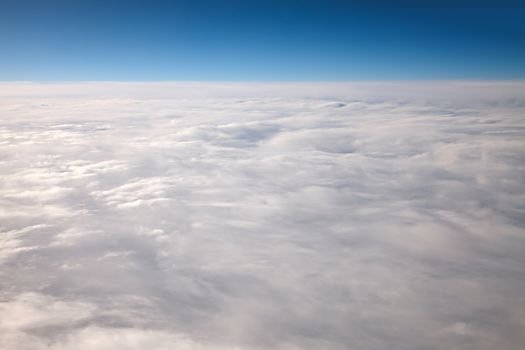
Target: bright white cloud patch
(262, 216)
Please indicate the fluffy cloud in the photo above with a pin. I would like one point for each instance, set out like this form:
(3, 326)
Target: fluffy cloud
(262, 216)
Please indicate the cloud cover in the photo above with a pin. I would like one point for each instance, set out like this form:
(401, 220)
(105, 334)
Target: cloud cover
(262, 216)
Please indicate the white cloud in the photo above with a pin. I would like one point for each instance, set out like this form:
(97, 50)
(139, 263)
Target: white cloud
(256, 216)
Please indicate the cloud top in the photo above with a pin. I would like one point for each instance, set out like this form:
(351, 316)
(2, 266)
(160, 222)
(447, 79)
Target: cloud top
(256, 216)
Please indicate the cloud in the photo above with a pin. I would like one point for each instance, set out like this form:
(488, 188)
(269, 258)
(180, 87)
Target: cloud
(262, 215)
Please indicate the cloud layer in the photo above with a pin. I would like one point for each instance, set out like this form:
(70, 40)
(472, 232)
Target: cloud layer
(262, 216)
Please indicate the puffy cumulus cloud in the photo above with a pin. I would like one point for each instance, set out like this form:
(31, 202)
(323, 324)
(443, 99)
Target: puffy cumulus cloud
(67, 324)
(262, 216)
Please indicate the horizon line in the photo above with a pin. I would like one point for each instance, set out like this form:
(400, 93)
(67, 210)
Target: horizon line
(261, 81)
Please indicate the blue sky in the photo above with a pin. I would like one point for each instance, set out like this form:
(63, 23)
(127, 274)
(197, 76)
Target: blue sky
(261, 40)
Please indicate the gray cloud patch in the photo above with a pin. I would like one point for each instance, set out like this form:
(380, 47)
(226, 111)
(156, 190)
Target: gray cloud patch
(262, 216)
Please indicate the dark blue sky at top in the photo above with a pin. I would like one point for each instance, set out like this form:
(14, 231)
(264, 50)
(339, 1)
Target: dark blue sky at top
(261, 40)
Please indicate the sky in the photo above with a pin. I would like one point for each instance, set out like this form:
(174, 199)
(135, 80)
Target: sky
(252, 175)
(231, 40)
